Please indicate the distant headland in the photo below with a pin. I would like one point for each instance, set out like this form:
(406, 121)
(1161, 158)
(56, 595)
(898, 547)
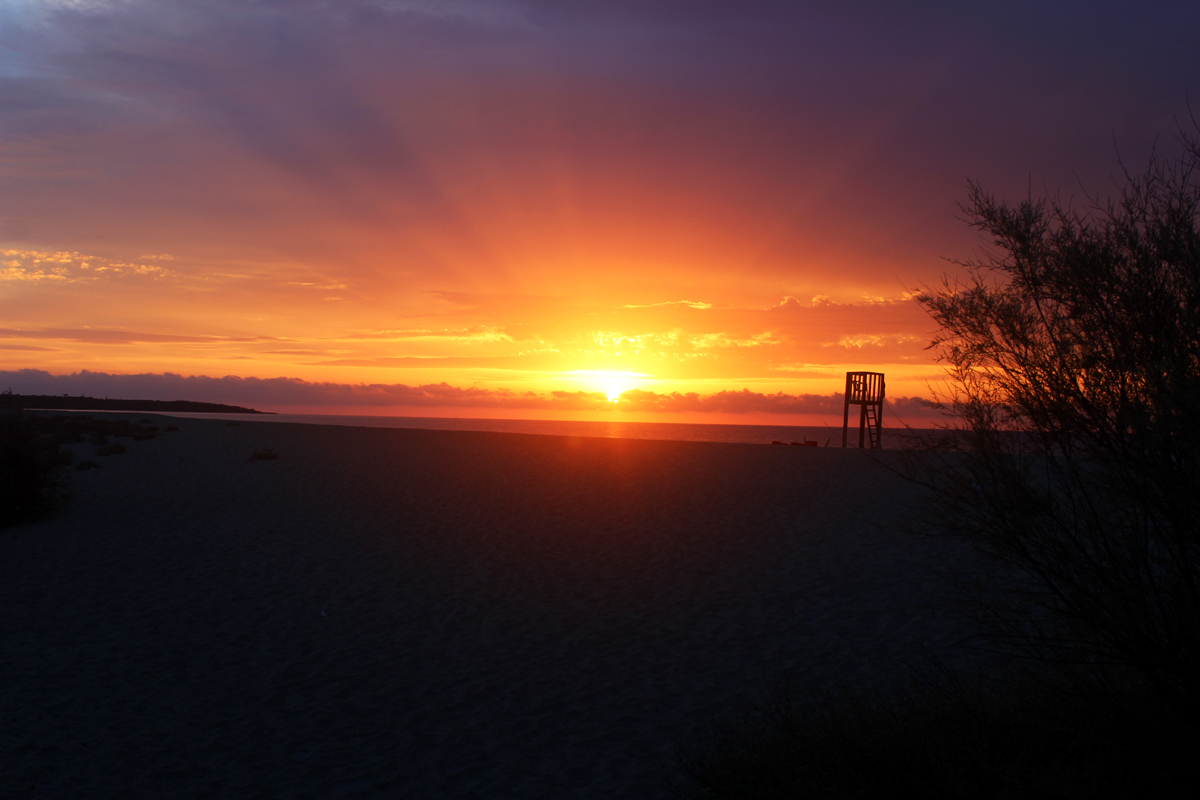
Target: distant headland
(81, 403)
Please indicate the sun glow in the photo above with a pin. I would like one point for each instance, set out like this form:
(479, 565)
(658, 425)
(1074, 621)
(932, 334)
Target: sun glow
(614, 386)
(612, 383)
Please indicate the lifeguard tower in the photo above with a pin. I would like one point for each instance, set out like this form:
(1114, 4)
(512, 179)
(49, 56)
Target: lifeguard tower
(865, 389)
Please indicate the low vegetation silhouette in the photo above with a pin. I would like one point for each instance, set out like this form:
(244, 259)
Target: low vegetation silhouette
(1074, 362)
(1071, 470)
(33, 462)
(31, 469)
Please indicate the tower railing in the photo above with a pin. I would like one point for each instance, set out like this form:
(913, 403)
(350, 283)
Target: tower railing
(865, 389)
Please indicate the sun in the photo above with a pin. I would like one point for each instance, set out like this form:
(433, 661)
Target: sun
(615, 384)
(611, 382)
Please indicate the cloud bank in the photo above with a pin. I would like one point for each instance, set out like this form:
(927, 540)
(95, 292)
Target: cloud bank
(265, 393)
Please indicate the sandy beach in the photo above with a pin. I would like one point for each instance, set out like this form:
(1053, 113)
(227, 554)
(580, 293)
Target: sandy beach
(442, 614)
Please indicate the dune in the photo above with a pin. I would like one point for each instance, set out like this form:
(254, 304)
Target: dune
(423, 613)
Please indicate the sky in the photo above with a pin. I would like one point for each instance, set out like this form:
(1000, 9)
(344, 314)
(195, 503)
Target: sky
(678, 211)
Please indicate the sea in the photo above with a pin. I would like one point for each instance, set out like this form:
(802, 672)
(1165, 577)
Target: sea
(823, 436)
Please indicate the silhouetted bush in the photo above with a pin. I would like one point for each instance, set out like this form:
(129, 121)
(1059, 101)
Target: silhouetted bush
(32, 463)
(31, 466)
(1074, 362)
(1071, 468)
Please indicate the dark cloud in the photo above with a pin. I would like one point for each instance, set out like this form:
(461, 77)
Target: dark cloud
(265, 393)
(733, 402)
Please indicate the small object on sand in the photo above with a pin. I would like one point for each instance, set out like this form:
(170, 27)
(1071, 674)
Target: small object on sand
(265, 454)
(83, 466)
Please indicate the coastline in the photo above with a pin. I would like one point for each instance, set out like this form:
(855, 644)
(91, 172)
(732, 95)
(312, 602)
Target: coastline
(403, 612)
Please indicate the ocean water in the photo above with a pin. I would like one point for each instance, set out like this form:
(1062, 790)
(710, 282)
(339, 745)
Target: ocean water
(824, 436)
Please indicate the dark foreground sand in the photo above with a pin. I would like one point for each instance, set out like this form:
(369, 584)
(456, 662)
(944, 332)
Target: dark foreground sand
(417, 613)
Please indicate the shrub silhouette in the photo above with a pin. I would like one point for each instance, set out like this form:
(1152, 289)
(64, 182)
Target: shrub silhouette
(32, 463)
(31, 466)
(1074, 363)
(1071, 467)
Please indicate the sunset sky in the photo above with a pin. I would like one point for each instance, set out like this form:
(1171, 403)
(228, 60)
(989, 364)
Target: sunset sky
(527, 208)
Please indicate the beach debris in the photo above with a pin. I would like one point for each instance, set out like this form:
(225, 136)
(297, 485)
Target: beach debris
(265, 454)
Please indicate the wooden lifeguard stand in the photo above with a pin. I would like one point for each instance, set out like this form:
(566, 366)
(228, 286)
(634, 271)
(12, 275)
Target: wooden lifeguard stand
(865, 389)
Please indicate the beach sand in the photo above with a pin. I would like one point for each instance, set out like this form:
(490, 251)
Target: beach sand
(420, 613)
